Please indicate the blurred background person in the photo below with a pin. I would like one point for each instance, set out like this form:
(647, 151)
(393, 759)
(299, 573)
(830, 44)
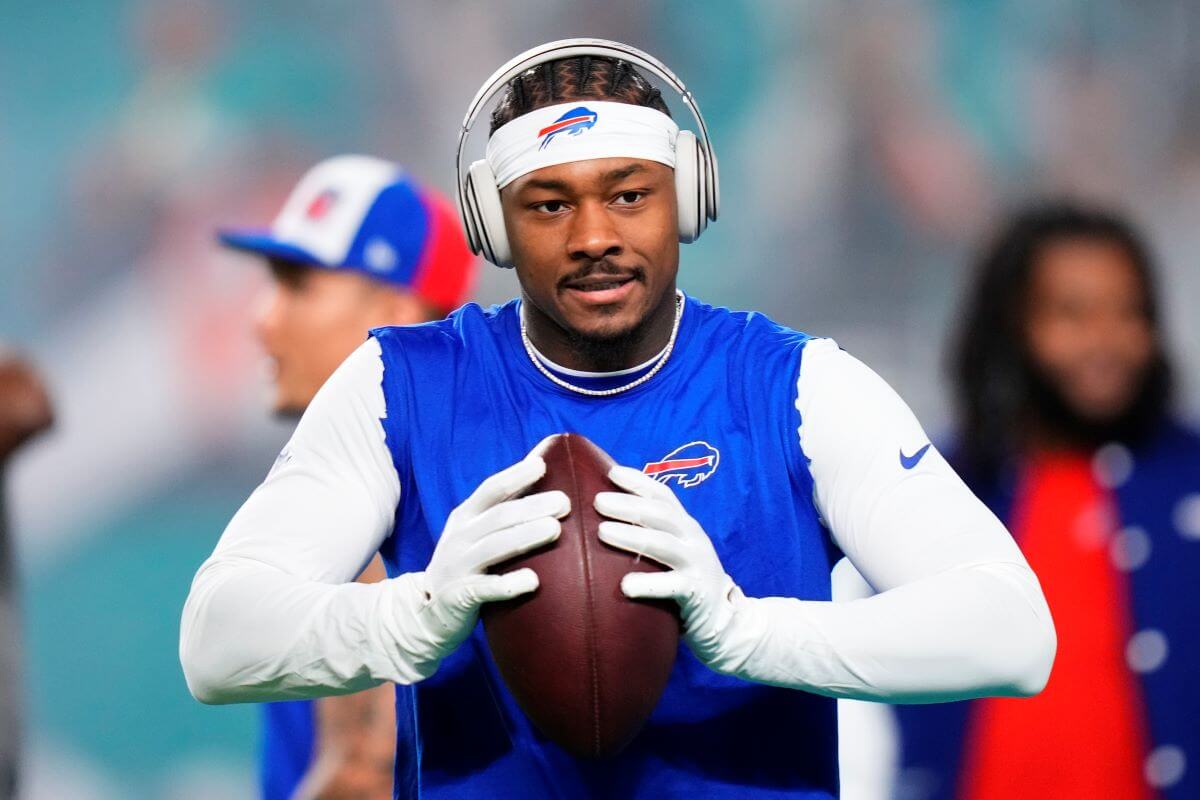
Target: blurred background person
(25, 411)
(357, 245)
(1063, 389)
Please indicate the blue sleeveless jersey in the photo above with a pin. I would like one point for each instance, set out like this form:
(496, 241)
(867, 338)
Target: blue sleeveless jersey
(719, 425)
(286, 748)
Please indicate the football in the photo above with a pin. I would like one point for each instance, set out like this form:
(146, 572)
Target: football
(586, 663)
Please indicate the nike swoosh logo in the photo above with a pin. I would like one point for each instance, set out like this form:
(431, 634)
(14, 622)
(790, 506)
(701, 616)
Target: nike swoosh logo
(908, 462)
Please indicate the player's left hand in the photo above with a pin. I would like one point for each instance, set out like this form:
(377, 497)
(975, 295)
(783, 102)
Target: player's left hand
(655, 524)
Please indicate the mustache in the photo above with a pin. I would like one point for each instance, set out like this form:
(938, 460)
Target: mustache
(603, 267)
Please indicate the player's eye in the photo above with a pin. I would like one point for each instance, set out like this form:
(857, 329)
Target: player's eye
(629, 198)
(549, 206)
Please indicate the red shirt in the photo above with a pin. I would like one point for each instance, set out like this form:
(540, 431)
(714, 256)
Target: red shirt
(1084, 736)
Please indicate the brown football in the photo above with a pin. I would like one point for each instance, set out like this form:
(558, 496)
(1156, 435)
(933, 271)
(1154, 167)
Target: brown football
(586, 663)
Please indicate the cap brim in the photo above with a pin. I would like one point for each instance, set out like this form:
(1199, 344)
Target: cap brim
(263, 243)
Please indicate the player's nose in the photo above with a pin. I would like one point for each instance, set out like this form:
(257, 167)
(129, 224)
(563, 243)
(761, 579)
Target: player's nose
(593, 235)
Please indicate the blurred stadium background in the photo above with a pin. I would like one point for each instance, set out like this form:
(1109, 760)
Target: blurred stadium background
(865, 147)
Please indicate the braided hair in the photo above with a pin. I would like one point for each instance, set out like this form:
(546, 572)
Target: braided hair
(567, 79)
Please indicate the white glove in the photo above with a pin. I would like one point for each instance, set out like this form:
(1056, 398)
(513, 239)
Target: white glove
(655, 524)
(485, 529)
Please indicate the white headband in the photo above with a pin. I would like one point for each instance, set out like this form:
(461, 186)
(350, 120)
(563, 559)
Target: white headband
(579, 131)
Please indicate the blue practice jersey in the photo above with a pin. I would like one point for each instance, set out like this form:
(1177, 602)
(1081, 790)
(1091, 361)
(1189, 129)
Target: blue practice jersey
(286, 747)
(719, 425)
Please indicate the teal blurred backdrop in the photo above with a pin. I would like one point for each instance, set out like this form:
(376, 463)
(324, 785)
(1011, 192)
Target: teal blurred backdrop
(866, 147)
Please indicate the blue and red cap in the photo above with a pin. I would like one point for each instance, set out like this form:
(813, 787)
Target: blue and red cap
(365, 215)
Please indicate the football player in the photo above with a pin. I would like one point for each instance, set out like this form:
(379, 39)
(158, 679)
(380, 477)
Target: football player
(752, 457)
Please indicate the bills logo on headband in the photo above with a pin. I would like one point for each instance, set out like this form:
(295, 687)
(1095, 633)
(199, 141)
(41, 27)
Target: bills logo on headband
(687, 465)
(574, 122)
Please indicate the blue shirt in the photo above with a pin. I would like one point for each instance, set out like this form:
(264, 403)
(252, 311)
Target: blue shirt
(286, 747)
(463, 402)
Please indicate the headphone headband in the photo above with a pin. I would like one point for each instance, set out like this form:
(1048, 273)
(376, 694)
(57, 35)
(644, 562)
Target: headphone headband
(569, 48)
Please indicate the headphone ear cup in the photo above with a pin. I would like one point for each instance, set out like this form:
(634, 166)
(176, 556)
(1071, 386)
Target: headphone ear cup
(688, 186)
(713, 183)
(466, 209)
(485, 215)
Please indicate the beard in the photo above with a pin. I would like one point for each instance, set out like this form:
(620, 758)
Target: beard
(1049, 405)
(609, 351)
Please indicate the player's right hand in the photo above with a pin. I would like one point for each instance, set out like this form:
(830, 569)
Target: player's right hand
(486, 529)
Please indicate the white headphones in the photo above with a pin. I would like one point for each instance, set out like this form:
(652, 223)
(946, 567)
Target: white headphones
(696, 182)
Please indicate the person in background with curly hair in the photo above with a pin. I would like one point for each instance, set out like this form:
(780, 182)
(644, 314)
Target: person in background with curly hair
(1063, 387)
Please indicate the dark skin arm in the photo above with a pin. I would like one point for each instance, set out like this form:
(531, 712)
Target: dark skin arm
(356, 738)
(24, 405)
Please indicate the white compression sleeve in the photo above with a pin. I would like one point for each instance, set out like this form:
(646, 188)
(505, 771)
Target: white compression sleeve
(271, 614)
(959, 613)
(868, 736)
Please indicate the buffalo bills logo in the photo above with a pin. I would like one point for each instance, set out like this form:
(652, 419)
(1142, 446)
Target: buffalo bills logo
(687, 465)
(574, 122)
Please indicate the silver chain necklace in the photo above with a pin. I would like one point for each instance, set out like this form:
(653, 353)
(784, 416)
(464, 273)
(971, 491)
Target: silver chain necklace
(666, 354)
